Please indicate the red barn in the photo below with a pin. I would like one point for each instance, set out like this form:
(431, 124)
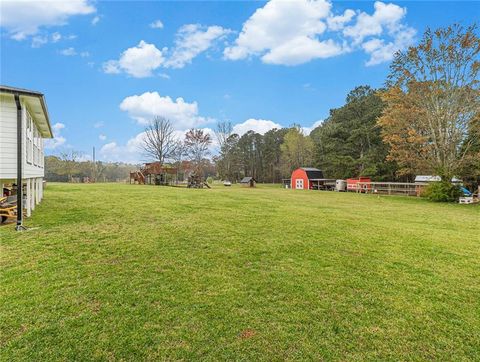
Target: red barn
(352, 184)
(302, 178)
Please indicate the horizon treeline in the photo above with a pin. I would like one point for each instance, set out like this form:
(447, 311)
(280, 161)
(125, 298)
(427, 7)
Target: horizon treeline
(346, 144)
(68, 168)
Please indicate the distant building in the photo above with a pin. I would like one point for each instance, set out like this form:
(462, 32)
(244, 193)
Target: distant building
(248, 182)
(428, 178)
(24, 123)
(305, 178)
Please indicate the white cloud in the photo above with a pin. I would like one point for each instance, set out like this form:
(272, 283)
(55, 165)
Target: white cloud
(381, 51)
(386, 19)
(258, 125)
(385, 16)
(130, 152)
(111, 152)
(42, 39)
(296, 32)
(144, 107)
(98, 124)
(262, 126)
(57, 140)
(338, 22)
(301, 50)
(85, 54)
(95, 20)
(282, 28)
(157, 24)
(68, 52)
(164, 76)
(102, 137)
(111, 67)
(191, 40)
(56, 37)
(308, 130)
(24, 19)
(57, 127)
(38, 41)
(138, 61)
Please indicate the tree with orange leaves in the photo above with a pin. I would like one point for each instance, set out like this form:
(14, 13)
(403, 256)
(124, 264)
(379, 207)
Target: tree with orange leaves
(432, 114)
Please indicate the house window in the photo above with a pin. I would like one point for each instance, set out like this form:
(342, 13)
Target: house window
(29, 139)
(40, 149)
(35, 145)
(299, 184)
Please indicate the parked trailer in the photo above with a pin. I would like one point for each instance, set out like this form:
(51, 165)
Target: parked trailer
(340, 185)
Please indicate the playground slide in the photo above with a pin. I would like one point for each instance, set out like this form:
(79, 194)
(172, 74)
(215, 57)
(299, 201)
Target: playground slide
(465, 192)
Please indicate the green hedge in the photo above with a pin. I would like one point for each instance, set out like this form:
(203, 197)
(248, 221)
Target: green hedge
(442, 192)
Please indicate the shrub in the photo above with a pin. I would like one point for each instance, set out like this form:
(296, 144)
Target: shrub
(210, 180)
(442, 192)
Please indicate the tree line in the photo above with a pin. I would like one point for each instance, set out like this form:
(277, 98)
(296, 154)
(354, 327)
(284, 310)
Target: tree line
(347, 144)
(426, 120)
(69, 167)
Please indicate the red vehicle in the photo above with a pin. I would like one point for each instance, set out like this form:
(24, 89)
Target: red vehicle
(353, 184)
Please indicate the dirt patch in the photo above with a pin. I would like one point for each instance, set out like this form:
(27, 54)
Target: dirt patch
(247, 333)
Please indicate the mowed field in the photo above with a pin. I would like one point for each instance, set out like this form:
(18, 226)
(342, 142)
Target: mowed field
(128, 272)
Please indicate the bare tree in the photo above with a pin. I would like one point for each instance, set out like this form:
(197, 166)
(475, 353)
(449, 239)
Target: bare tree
(69, 159)
(159, 142)
(196, 146)
(223, 130)
(177, 156)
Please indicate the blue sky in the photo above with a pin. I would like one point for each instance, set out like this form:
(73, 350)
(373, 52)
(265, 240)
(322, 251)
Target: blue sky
(106, 68)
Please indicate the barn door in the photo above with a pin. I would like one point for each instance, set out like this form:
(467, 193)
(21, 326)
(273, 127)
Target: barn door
(299, 184)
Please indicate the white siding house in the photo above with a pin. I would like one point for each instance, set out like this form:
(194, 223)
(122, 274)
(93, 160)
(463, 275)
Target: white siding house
(23, 120)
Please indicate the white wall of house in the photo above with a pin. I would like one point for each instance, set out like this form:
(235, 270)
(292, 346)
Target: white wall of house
(8, 137)
(33, 156)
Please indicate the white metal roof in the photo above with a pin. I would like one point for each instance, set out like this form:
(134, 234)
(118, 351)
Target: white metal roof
(430, 178)
(37, 107)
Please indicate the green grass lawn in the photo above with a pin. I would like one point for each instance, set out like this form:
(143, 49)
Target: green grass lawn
(130, 272)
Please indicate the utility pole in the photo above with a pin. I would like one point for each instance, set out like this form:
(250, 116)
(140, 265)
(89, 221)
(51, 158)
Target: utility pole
(94, 166)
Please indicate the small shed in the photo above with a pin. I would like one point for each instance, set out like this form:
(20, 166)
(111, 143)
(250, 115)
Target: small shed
(305, 178)
(248, 182)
